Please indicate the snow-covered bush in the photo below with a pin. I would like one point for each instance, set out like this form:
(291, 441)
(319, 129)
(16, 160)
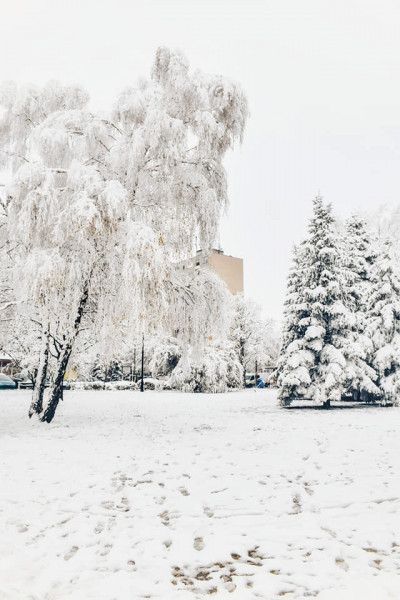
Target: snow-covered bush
(166, 356)
(121, 385)
(215, 370)
(86, 385)
(99, 385)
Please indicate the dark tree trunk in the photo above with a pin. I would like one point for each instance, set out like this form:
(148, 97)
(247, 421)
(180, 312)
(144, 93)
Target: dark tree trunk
(36, 406)
(326, 404)
(56, 391)
(241, 360)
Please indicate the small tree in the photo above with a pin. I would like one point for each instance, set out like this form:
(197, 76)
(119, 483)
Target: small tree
(253, 338)
(106, 371)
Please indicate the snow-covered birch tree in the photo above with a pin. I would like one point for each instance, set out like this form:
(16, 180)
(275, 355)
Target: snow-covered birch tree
(102, 207)
(253, 338)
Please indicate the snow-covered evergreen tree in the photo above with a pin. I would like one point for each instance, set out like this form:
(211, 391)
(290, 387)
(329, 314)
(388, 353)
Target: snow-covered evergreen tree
(99, 370)
(384, 326)
(359, 255)
(312, 363)
(110, 371)
(295, 359)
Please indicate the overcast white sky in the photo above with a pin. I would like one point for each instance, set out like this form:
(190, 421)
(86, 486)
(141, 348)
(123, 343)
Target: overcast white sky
(322, 79)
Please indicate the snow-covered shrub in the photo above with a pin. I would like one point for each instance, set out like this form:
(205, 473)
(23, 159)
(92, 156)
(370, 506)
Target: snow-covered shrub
(100, 385)
(150, 383)
(215, 371)
(87, 385)
(166, 356)
(121, 385)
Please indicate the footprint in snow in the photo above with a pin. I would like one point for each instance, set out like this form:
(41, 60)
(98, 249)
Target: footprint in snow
(106, 550)
(71, 553)
(99, 527)
(124, 505)
(207, 511)
(340, 562)
(198, 544)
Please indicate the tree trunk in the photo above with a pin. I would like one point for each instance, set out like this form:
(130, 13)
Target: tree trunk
(36, 406)
(56, 391)
(241, 360)
(326, 404)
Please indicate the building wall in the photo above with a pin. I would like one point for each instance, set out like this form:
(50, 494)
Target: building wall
(229, 268)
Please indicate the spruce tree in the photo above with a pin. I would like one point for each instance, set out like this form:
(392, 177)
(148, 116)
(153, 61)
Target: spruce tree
(115, 371)
(384, 326)
(359, 257)
(99, 370)
(295, 361)
(313, 364)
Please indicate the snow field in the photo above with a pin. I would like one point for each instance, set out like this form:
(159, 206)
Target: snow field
(176, 496)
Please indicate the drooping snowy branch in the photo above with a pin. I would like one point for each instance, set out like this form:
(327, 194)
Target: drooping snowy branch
(101, 209)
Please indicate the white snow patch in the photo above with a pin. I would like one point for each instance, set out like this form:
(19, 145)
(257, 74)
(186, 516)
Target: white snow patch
(167, 495)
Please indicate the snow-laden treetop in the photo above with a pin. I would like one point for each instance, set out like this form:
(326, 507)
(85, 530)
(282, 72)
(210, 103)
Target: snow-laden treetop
(94, 198)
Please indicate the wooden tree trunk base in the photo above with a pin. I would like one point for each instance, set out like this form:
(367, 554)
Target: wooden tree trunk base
(35, 409)
(50, 411)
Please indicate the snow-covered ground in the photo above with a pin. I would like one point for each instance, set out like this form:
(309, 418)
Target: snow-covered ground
(174, 496)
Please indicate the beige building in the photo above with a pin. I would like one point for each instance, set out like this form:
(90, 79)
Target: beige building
(229, 268)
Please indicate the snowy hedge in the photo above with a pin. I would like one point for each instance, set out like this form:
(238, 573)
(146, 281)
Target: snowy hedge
(99, 385)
